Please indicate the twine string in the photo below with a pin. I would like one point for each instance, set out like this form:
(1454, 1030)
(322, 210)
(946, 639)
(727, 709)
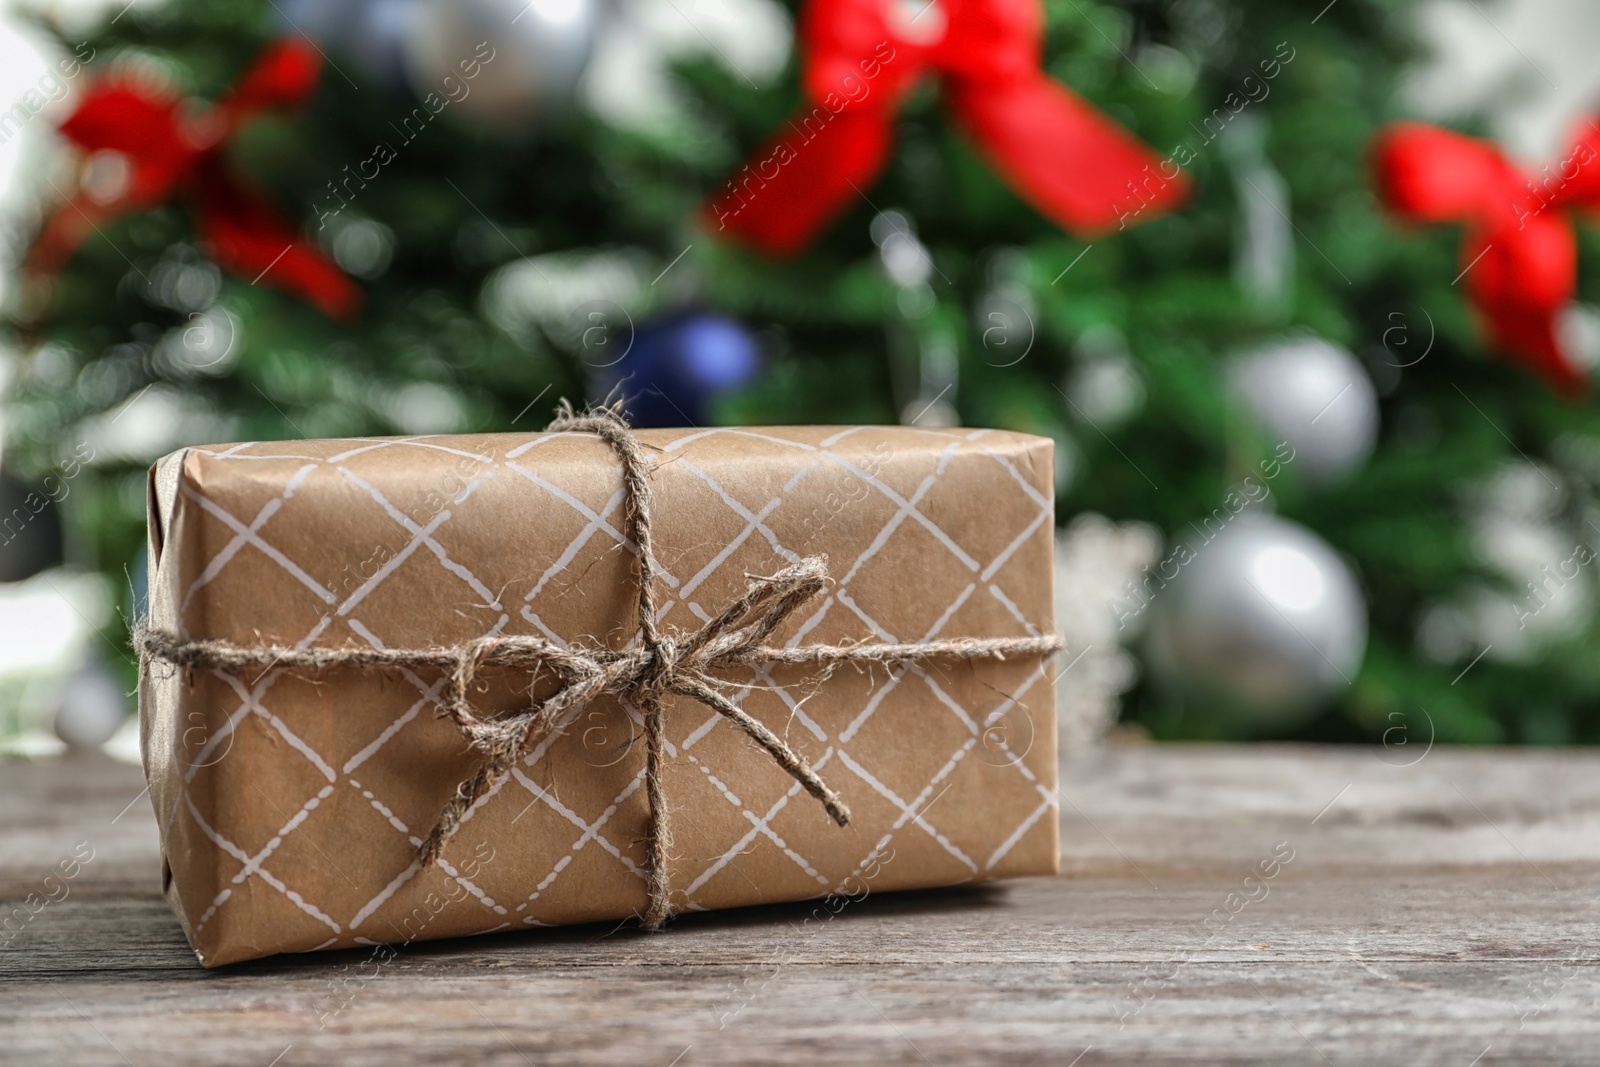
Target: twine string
(656, 665)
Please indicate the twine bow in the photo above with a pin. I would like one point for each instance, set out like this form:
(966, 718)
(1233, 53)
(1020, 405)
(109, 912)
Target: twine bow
(657, 665)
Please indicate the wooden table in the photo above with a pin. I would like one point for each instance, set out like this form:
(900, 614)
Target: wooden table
(1433, 910)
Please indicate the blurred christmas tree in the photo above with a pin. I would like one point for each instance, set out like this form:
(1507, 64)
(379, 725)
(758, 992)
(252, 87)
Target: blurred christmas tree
(512, 248)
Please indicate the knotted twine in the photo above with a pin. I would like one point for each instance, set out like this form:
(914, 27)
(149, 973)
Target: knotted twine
(658, 664)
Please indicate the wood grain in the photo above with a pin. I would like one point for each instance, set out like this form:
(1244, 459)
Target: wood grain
(1441, 912)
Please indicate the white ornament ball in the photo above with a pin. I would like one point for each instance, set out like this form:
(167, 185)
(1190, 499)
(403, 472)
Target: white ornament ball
(1264, 621)
(92, 708)
(526, 56)
(1315, 396)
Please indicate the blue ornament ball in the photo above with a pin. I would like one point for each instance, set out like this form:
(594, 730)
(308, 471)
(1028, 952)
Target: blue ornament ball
(679, 364)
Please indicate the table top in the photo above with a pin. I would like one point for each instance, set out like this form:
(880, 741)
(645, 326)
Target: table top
(1217, 904)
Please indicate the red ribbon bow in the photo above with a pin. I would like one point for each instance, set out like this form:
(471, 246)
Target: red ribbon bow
(1078, 168)
(173, 145)
(1518, 254)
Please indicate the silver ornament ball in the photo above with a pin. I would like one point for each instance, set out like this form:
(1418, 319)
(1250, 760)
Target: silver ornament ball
(1264, 621)
(371, 33)
(92, 708)
(1315, 396)
(539, 51)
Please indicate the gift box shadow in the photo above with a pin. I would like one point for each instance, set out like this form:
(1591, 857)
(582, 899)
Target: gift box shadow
(687, 938)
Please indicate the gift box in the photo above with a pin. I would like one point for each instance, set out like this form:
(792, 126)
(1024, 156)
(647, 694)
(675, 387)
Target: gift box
(370, 591)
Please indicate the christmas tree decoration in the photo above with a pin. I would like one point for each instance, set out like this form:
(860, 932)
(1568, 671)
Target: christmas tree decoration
(629, 82)
(923, 360)
(30, 527)
(1263, 257)
(504, 266)
(372, 33)
(526, 57)
(1263, 620)
(1540, 560)
(207, 345)
(905, 260)
(1482, 70)
(149, 146)
(92, 708)
(1103, 388)
(1519, 256)
(586, 303)
(1075, 166)
(1095, 560)
(677, 365)
(1314, 396)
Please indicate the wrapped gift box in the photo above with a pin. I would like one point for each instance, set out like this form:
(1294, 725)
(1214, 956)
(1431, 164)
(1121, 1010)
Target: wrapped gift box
(292, 803)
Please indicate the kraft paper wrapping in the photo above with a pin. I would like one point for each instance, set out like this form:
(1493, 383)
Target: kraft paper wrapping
(291, 804)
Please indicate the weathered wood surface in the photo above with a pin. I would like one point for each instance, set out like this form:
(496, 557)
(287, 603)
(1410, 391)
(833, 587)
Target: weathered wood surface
(1438, 913)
